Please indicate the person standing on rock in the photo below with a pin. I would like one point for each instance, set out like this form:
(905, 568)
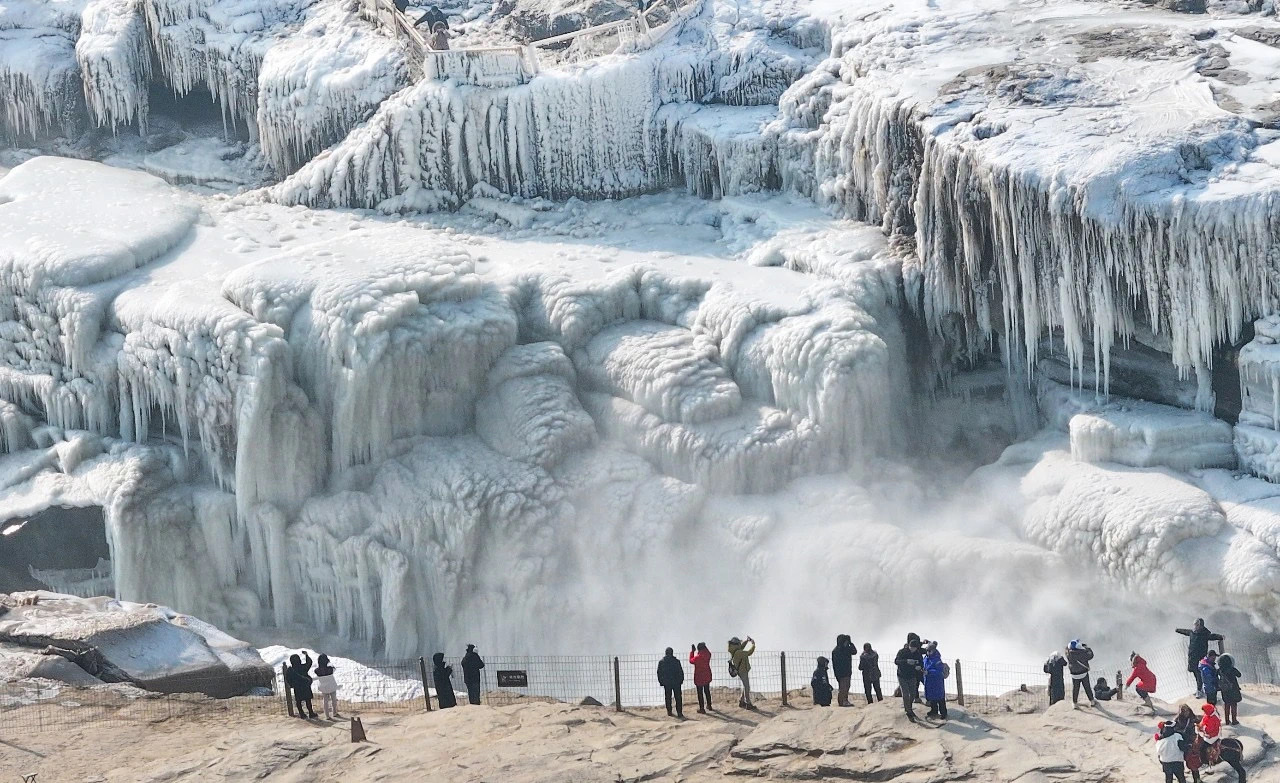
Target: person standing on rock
(1229, 687)
(910, 665)
(1145, 678)
(935, 681)
(327, 687)
(1078, 657)
(869, 665)
(740, 667)
(472, 663)
(820, 683)
(671, 678)
(1171, 749)
(298, 677)
(700, 657)
(1057, 684)
(1198, 638)
(842, 666)
(1209, 676)
(443, 676)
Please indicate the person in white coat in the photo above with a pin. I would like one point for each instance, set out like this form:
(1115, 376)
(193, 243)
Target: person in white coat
(327, 687)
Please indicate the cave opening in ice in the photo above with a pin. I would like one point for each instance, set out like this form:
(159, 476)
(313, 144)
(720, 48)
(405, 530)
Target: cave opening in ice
(64, 549)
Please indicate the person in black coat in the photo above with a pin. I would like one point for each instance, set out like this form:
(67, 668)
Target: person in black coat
(869, 665)
(298, 677)
(472, 663)
(1054, 667)
(910, 663)
(671, 677)
(821, 684)
(842, 666)
(1198, 647)
(443, 676)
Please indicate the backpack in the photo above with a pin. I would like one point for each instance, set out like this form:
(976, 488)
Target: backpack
(733, 670)
(946, 671)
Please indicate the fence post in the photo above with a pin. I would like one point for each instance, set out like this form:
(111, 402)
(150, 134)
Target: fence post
(782, 661)
(959, 684)
(617, 685)
(426, 694)
(288, 697)
(1119, 686)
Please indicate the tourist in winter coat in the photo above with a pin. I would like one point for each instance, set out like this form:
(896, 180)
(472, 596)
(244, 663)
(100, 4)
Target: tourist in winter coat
(740, 662)
(1102, 690)
(700, 657)
(298, 677)
(1229, 688)
(1146, 679)
(327, 687)
(671, 678)
(1171, 748)
(869, 665)
(821, 684)
(472, 663)
(842, 666)
(935, 681)
(443, 676)
(1078, 657)
(910, 663)
(1054, 667)
(1209, 676)
(1210, 724)
(1198, 638)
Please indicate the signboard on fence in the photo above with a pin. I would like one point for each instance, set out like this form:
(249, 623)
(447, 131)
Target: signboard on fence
(513, 679)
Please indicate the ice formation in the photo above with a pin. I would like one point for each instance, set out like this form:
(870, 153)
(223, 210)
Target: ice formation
(407, 429)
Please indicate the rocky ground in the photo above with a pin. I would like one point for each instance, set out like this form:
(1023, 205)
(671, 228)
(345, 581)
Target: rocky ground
(532, 742)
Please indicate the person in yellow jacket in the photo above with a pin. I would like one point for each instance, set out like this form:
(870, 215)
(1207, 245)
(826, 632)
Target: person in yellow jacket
(740, 667)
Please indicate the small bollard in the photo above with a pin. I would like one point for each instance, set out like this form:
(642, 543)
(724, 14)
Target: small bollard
(959, 684)
(357, 730)
(1119, 686)
(426, 692)
(782, 668)
(288, 695)
(617, 686)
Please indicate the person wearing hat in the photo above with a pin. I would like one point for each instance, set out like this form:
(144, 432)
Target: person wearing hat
(1210, 724)
(1171, 750)
(935, 677)
(910, 663)
(1229, 687)
(821, 684)
(1078, 657)
(1209, 676)
(1054, 667)
(472, 663)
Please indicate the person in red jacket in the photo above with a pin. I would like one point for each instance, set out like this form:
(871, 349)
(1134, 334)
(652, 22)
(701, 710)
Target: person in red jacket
(700, 657)
(1144, 676)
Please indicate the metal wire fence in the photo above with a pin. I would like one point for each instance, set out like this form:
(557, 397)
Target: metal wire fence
(624, 682)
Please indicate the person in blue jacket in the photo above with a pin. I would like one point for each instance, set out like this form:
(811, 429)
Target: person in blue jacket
(935, 681)
(1209, 676)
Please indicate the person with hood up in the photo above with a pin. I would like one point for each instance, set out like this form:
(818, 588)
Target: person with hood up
(1146, 679)
(298, 677)
(1210, 724)
(842, 666)
(443, 676)
(910, 663)
(821, 684)
(740, 667)
(1057, 684)
(700, 657)
(1078, 657)
(472, 663)
(439, 37)
(1102, 690)
(671, 678)
(1171, 748)
(869, 665)
(935, 681)
(1198, 638)
(1209, 676)
(1229, 688)
(327, 687)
